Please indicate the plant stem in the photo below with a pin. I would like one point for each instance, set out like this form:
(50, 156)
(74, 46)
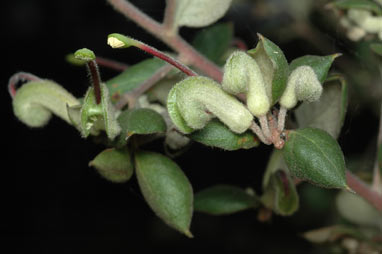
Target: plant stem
(264, 126)
(169, 17)
(257, 130)
(174, 41)
(364, 190)
(111, 64)
(377, 183)
(16, 78)
(96, 79)
(281, 118)
(130, 98)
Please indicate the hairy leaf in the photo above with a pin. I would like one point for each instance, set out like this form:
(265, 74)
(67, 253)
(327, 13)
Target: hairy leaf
(166, 189)
(320, 64)
(313, 155)
(145, 121)
(214, 41)
(114, 165)
(223, 199)
(329, 112)
(279, 191)
(273, 65)
(199, 13)
(216, 134)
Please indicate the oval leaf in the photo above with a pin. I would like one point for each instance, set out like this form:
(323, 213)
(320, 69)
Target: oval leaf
(223, 199)
(166, 189)
(313, 155)
(273, 65)
(132, 77)
(216, 134)
(145, 121)
(329, 112)
(359, 4)
(174, 113)
(214, 41)
(199, 13)
(279, 190)
(320, 64)
(114, 165)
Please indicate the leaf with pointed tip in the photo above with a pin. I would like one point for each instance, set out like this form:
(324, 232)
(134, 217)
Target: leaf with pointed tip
(224, 199)
(329, 112)
(114, 165)
(214, 41)
(216, 134)
(133, 77)
(273, 65)
(320, 64)
(377, 48)
(280, 193)
(199, 13)
(358, 4)
(166, 189)
(313, 155)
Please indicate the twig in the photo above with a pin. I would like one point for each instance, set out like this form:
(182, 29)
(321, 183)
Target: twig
(130, 98)
(111, 64)
(364, 190)
(174, 41)
(281, 118)
(169, 18)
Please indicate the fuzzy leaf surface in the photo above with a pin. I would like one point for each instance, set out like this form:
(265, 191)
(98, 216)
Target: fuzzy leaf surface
(166, 189)
(313, 155)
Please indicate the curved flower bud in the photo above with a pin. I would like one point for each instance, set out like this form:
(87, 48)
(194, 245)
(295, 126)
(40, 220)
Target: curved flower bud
(243, 75)
(36, 101)
(303, 85)
(196, 100)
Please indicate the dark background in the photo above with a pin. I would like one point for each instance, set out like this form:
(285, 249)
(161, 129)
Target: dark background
(55, 203)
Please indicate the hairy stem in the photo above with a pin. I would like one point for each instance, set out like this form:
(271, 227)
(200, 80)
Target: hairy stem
(96, 79)
(174, 41)
(111, 64)
(257, 130)
(281, 118)
(264, 126)
(169, 17)
(131, 97)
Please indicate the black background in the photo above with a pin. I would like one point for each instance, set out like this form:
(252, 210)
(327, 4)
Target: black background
(55, 203)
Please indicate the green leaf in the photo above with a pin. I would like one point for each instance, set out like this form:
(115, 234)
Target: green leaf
(214, 41)
(166, 189)
(133, 77)
(329, 112)
(320, 64)
(377, 48)
(199, 13)
(279, 190)
(273, 65)
(96, 117)
(224, 199)
(114, 165)
(84, 55)
(145, 121)
(313, 155)
(359, 4)
(216, 134)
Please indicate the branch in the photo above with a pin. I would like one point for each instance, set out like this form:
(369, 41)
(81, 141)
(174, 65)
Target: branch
(174, 41)
(169, 17)
(364, 190)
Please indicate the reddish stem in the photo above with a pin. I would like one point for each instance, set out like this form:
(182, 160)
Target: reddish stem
(364, 190)
(96, 79)
(111, 64)
(19, 77)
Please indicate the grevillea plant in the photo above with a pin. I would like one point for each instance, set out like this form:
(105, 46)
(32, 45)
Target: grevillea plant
(240, 100)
